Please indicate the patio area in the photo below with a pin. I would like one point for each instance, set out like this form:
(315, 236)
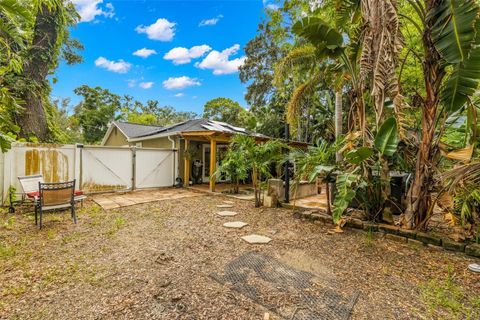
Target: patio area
(124, 199)
(173, 259)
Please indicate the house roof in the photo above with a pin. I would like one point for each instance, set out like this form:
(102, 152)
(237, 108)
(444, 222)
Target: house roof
(196, 125)
(134, 130)
(130, 130)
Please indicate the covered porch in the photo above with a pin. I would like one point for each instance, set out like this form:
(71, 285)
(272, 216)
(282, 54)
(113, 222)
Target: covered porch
(202, 154)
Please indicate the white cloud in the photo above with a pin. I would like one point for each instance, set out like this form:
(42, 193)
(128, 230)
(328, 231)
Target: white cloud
(182, 55)
(132, 83)
(119, 66)
(210, 22)
(180, 83)
(144, 53)
(179, 95)
(90, 9)
(273, 6)
(219, 61)
(146, 85)
(162, 30)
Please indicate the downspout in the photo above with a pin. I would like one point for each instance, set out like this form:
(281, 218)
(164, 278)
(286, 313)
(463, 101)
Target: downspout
(172, 141)
(174, 158)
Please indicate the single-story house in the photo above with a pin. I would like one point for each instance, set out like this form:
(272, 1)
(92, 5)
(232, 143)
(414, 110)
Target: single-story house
(200, 139)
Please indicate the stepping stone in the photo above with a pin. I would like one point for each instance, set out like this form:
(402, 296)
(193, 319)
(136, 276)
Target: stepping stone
(228, 202)
(474, 267)
(227, 213)
(256, 239)
(224, 206)
(235, 225)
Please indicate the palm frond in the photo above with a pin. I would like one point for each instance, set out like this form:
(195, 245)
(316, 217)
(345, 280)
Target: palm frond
(299, 56)
(299, 96)
(348, 12)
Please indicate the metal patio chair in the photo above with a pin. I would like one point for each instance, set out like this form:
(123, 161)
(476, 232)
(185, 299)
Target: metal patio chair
(55, 196)
(30, 191)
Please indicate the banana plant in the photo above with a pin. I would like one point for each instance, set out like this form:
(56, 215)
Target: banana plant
(449, 30)
(350, 181)
(386, 143)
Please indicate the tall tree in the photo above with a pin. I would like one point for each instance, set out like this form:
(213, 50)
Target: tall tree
(98, 108)
(152, 113)
(14, 34)
(225, 110)
(50, 42)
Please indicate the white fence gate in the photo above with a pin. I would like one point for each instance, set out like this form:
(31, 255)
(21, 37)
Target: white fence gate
(95, 168)
(154, 167)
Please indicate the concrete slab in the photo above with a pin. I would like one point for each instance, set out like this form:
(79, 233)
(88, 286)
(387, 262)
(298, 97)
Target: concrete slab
(227, 213)
(256, 239)
(224, 206)
(118, 200)
(235, 224)
(228, 202)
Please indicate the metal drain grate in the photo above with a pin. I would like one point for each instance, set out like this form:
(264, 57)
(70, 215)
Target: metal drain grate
(288, 292)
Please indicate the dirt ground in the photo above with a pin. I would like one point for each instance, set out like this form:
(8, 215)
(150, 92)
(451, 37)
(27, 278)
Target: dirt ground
(153, 260)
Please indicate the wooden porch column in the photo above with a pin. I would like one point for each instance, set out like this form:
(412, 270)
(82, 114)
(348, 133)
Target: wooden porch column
(186, 176)
(213, 163)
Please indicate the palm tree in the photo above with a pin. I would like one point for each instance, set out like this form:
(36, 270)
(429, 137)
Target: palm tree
(260, 156)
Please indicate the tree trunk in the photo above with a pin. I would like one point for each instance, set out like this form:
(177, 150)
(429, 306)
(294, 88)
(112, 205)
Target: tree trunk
(338, 119)
(418, 197)
(40, 57)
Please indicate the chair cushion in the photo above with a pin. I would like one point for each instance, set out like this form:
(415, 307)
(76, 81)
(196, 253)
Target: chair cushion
(36, 194)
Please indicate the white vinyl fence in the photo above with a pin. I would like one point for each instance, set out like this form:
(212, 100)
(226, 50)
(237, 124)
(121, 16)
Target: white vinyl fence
(95, 168)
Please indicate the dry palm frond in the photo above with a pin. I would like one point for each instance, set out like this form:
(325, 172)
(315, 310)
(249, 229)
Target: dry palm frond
(464, 175)
(382, 42)
(464, 154)
(300, 56)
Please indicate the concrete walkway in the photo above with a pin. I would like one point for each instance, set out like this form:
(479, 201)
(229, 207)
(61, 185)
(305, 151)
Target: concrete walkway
(117, 200)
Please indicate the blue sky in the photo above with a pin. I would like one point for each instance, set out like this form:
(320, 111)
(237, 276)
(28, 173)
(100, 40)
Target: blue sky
(186, 52)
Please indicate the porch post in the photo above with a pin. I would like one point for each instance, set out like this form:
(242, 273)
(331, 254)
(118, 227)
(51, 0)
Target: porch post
(186, 176)
(213, 163)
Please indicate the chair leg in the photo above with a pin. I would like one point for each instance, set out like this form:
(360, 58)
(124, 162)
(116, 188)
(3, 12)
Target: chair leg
(36, 212)
(74, 215)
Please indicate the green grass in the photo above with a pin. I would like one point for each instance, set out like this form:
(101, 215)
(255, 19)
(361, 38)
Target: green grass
(15, 290)
(118, 223)
(445, 299)
(369, 238)
(6, 251)
(9, 223)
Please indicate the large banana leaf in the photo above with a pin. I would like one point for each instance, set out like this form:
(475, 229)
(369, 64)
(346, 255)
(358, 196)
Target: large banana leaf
(456, 38)
(387, 138)
(462, 82)
(359, 155)
(326, 39)
(454, 28)
(347, 184)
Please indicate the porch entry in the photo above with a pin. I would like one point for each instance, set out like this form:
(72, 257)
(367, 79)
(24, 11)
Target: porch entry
(206, 155)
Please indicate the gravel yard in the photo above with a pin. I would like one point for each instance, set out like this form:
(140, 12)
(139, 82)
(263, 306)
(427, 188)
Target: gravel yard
(154, 261)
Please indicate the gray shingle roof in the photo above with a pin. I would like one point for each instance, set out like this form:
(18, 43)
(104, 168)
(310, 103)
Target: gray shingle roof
(134, 130)
(200, 125)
